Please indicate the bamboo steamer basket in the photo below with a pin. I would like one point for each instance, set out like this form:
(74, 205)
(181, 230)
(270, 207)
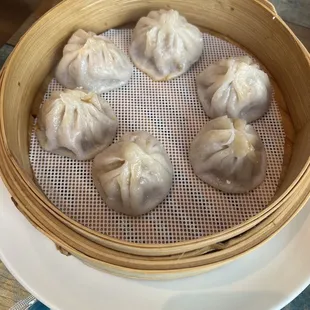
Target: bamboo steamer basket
(262, 33)
(258, 236)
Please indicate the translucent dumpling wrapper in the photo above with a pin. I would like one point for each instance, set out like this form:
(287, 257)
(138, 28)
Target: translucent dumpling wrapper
(76, 124)
(134, 175)
(164, 45)
(229, 155)
(234, 87)
(93, 63)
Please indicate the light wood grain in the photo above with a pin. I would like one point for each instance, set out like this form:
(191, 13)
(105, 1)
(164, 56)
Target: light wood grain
(260, 234)
(10, 290)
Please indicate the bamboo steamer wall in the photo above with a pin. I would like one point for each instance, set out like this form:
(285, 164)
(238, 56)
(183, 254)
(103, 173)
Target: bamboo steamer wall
(252, 24)
(169, 270)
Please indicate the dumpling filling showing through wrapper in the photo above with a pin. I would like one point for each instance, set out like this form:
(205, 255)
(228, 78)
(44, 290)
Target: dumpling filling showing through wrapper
(133, 175)
(76, 124)
(235, 87)
(164, 45)
(94, 63)
(229, 155)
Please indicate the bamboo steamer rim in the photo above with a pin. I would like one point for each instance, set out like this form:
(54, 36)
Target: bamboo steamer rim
(261, 229)
(171, 273)
(19, 173)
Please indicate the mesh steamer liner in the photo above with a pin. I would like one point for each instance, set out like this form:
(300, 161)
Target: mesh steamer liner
(26, 78)
(172, 112)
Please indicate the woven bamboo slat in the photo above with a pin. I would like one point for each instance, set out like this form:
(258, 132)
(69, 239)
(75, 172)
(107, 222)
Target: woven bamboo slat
(253, 25)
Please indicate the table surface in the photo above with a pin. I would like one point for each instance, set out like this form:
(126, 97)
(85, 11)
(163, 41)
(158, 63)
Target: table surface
(11, 291)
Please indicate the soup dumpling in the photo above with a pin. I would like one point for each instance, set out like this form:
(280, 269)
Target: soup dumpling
(93, 63)
(134, 175)
(76, 124)
(235, 87)
(229, 155)
(164, 45)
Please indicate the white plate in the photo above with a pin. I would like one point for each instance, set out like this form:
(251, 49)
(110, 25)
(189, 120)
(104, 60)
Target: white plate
(267, 278)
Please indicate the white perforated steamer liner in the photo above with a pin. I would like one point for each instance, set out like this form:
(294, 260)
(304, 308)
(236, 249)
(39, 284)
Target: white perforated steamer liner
(171, 112)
